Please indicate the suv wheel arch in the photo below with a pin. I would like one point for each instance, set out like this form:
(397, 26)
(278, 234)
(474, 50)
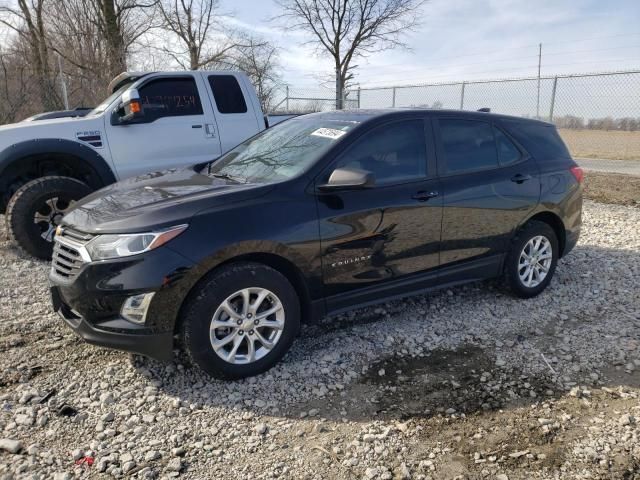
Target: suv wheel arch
(555, 222)
(292, 273)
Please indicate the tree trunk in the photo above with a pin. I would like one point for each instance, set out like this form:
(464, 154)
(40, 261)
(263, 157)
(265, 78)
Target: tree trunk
(114, 40)
(194, 61)
(339, 89)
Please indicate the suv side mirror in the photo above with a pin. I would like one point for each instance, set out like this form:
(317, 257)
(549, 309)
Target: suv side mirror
(130, 106)
(348, 178)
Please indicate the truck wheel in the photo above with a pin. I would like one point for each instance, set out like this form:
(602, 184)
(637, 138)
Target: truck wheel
(35, 210)
(532, 260)
(241, 321)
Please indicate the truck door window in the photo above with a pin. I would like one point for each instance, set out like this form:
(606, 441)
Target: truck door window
(170, 97)
(227, 94)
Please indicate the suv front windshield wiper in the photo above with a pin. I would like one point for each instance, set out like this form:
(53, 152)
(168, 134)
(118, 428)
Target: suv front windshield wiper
(226, 176)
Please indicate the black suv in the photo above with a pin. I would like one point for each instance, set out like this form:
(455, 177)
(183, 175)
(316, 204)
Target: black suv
(322, 213)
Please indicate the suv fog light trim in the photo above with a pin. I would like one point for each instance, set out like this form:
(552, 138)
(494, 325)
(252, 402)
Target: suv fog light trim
(135, 308)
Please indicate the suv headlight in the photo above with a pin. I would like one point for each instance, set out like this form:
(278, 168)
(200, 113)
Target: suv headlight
(108, 246)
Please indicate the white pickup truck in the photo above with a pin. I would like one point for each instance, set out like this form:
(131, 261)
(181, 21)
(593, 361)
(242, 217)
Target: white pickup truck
(152, 121)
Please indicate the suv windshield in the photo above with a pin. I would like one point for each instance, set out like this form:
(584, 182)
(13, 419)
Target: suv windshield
(281, 152)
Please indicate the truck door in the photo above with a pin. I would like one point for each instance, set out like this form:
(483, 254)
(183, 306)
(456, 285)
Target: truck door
(235, 113)
(178, 128)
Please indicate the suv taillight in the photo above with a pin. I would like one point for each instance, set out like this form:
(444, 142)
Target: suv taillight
(578, 173)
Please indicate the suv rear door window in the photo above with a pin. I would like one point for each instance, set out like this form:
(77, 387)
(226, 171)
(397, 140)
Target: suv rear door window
(467, 145)
(393, 153)
(170, 97)
(227, 94)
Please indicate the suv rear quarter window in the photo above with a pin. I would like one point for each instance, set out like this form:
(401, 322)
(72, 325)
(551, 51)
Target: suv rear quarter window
(540, 140)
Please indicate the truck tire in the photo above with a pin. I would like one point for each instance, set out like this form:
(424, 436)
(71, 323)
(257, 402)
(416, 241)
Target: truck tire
(36, 209)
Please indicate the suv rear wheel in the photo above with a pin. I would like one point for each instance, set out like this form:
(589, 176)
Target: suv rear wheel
(532, 260)
(35, 210)
(241, 321)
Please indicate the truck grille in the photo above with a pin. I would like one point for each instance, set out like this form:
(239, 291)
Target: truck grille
(69, 254)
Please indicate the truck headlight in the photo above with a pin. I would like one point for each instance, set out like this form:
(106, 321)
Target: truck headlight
(108, 246)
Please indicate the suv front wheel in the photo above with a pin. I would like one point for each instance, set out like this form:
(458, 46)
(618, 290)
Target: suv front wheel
(240, 321)
(35, 210)
(532, 259)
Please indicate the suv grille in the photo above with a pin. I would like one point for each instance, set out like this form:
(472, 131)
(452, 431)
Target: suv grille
(67, 259)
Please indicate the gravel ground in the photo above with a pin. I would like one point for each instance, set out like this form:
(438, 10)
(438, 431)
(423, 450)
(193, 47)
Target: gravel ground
(464, 383)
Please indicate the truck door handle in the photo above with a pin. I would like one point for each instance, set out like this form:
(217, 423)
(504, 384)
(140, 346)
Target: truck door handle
(424, 196)
(196, 126)
(520, 178)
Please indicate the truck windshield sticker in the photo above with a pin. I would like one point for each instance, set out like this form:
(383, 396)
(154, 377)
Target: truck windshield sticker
(331, 133)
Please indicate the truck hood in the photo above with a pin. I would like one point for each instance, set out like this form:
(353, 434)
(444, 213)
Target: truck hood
(156, 200)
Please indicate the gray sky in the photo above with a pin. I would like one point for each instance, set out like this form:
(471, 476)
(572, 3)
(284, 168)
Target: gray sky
(474, 39)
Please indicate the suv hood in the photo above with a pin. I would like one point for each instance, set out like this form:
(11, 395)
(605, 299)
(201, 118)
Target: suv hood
(156, 200)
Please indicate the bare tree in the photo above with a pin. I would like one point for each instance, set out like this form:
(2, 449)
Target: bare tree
(259, 60)
(195, 23)
(350, 29)
(28, 21)
(120, 23)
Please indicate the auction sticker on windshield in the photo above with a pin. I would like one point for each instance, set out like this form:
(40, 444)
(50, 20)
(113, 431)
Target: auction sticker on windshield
(328, 133)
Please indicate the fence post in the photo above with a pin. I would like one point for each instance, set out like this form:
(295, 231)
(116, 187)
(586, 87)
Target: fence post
(358, 97)
(393, 98)
(462, 96)
(287, 98)
(553, 98)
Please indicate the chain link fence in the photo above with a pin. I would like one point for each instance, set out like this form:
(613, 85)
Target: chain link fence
(597, 114)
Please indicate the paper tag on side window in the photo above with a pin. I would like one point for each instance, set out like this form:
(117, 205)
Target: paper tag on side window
(328, 133)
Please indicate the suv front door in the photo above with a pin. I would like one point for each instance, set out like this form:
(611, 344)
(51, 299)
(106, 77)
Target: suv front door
(381, 235)
(177, 128)
(489, 186)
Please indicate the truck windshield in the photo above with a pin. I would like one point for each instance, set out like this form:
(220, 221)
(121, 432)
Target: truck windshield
(109, 100)
(281, 152)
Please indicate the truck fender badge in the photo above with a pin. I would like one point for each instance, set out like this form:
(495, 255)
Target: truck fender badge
(92, 137)
(349, 261)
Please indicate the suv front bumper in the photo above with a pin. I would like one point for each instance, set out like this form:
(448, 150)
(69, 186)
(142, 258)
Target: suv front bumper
(154, 345)
(91, 301)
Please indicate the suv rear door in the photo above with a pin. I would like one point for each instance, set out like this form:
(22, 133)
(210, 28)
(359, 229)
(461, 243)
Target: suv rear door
(378, 236)
(173, 131)
(489, 184)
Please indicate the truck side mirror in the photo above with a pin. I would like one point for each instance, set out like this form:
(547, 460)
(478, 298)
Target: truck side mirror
(131, 106)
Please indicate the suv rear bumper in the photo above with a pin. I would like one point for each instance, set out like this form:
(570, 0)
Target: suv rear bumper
(154, 345)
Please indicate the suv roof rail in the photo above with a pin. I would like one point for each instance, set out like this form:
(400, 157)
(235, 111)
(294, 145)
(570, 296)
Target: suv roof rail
(485, 110)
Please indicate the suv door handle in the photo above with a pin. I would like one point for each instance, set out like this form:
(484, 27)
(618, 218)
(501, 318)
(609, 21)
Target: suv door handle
(520, 178)
(424, 196)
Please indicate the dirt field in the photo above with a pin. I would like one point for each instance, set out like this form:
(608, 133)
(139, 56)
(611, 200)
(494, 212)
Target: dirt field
(608, 144)
(612, 188)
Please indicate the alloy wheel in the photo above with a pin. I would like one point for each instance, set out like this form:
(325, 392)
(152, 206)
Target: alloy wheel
(49, 215)
(535, 261)
(247, 325)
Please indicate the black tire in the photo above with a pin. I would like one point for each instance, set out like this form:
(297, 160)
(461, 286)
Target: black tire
(512, 279)
(31, 199)
(208, 297)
